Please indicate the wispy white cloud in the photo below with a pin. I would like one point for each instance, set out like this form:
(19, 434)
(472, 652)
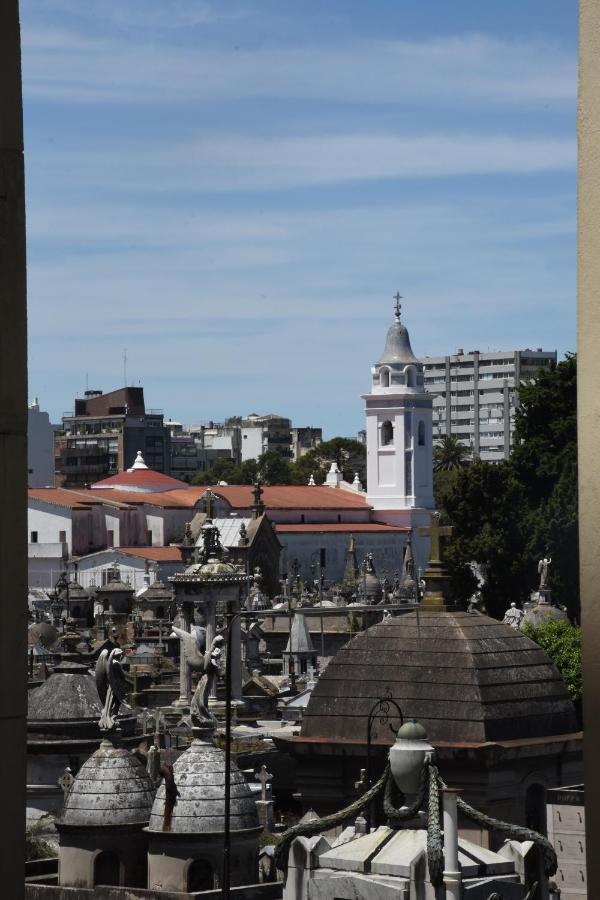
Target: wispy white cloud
(240, 162)
(65, 65)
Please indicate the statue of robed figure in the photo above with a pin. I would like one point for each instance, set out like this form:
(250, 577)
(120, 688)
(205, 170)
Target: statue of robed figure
(198, 658)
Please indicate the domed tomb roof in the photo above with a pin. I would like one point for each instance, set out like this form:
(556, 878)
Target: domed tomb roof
(65, 696)
(111, 788)
(199, 775)
(42, 633)
(465, 677)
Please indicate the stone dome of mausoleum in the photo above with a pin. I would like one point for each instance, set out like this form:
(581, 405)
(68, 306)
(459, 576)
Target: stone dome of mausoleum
(111, 788)
(199, 776)
(466, 677)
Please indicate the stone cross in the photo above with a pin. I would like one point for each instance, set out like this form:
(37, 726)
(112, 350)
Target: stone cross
(398, 307)
(65, 781)
(265, 788)
(435, 531)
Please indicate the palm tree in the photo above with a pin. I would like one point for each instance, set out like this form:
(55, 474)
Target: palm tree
(449, 454)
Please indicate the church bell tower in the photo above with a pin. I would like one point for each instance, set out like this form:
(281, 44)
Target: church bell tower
(399, 433)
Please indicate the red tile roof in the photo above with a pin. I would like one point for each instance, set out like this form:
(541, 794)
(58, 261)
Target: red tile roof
(142, 479)
(338, 526)
(292, 496)
(164, 499)
(60, 497)
(85, 499)
(159, 554)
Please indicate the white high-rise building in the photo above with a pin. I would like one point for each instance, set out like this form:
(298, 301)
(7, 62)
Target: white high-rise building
(475, 395)
(399, 435)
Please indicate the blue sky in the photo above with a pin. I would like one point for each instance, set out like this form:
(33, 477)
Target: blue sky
(234, 191)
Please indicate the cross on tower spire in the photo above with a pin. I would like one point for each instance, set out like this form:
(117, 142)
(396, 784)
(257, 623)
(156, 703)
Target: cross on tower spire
(398, 307)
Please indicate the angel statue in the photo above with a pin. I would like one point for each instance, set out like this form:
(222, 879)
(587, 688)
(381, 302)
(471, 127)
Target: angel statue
(543, 566)
(199, 659)
(112, 685)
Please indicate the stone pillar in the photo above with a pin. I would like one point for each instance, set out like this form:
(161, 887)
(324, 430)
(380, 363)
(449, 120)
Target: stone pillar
(185, 675)
(210, 623)
(452, 872)
(13, 455)
(236, 661)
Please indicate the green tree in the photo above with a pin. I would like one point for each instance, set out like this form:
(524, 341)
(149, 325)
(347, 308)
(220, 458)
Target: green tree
(273, 468)
(350, 456)
(562, 643)
(508, 515)
(545, 461)
(449, 454)
(224, 469)
(486, 506)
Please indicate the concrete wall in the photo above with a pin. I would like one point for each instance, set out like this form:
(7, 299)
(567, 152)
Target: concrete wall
(48, 521)
(588, 341)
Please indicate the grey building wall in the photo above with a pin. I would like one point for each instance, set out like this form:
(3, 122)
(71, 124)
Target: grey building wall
(40, 448)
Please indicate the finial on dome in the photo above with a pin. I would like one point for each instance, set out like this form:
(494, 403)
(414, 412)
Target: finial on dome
(398, 306)
(138, 463)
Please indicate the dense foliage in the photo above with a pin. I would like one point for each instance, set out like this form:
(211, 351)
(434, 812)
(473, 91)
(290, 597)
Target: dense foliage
(273, 468)
(562, 643)
(508, 515)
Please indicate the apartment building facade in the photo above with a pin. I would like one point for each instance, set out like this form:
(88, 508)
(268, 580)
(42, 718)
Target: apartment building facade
(263, 433)
(475, 395)
(103, 435)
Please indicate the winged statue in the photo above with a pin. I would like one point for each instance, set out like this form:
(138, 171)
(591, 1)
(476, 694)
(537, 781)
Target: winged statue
(112, 685)
(200, 659)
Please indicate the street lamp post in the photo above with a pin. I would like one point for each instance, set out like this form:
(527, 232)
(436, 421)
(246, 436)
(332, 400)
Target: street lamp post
(380, 712)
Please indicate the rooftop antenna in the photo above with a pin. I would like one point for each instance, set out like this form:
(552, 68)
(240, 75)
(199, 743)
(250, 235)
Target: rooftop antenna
(125, 367)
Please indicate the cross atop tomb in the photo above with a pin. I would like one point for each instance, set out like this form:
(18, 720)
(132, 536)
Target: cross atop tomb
(66, 781)
(265, 788)
(434, 532)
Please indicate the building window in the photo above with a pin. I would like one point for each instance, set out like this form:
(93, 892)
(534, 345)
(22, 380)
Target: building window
(408, 481)
(149, 538)
(62, 537)
(110, 538)
(384, 377)
(421, 438)
(387, 434)
(411, 380)
(34, 537)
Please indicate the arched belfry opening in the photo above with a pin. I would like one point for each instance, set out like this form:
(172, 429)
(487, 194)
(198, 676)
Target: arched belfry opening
(384, 377)
(387, 433)
(411, 377)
